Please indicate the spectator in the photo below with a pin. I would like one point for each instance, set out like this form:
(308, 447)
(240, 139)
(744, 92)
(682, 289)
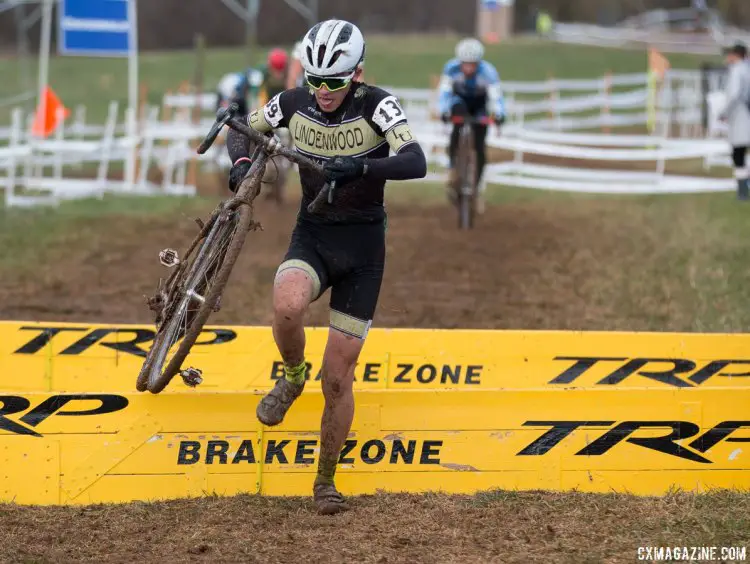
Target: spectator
(736, 113)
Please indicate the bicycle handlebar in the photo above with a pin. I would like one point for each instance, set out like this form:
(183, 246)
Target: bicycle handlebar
(225, 116)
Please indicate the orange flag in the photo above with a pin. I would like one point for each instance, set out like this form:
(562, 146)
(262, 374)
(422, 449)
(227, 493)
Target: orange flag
(46, 119)
(657, 63)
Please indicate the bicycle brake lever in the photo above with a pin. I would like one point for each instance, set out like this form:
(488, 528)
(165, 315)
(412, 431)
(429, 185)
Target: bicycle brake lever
(223, 115)
(325, 192)
(332, 187)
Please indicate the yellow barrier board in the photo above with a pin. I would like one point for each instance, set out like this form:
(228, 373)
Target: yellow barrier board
(90, 357)
(436, 410)
(71, 448)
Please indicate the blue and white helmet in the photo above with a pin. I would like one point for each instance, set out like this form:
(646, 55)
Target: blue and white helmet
(469, 50)
(332, 47)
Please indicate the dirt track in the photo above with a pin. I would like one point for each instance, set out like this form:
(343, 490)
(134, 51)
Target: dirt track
(524, 266)
(502, 528)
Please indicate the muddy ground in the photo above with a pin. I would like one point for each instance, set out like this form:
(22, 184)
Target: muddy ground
(550, 263)
(496, 527)
(526, 265)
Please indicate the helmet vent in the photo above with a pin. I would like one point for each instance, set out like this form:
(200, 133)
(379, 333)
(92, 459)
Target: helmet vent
(321, 55)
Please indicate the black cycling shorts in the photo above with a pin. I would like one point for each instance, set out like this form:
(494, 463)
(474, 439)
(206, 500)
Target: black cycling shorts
(349, 259)
(738, 156)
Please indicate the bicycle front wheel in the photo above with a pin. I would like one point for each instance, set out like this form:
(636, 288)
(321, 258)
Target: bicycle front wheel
(194, 298)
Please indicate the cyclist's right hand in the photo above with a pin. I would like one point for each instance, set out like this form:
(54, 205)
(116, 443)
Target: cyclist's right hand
(445, 118)
(238, 171)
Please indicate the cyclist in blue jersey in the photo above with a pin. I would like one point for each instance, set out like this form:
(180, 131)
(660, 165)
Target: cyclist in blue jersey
(470, 86)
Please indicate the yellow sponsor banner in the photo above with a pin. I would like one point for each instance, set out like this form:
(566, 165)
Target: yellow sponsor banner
(72, 448)
(89, 357)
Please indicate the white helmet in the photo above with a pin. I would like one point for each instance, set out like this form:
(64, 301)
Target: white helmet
(332, 47)
(469, 50)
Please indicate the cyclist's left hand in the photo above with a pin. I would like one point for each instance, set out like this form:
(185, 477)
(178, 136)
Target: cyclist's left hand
(344, 169)
(498, 119)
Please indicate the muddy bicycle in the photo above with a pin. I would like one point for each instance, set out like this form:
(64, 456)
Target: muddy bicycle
(185, 300)
(466, 165)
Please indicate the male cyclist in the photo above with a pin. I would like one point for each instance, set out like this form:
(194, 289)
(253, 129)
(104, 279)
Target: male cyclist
(469, 86)
(234, 87)
(350, 128)
(274, 74)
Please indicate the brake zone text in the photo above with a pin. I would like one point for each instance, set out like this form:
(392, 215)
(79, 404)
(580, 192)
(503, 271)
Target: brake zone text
(402, 373)
(303, 451)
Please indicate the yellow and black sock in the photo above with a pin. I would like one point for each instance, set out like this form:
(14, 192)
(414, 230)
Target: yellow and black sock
(326, 470)
(296, 374)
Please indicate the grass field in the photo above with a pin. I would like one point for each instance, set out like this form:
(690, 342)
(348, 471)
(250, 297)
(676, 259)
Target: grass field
(395, 61)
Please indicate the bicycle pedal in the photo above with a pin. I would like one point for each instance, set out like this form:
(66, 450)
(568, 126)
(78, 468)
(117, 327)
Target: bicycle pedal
(192, 376)
(169, 258)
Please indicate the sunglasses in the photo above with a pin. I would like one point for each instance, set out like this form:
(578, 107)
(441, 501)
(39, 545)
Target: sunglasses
(332, 83)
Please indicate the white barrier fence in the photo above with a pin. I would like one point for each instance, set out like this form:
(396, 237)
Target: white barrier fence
(655, 151)
(663, 40)
(611, 101)
(32, 171)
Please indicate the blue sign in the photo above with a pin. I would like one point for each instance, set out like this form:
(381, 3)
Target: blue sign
(95, 28)
(490, 5)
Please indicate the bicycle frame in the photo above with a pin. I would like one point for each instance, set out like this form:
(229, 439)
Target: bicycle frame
(468, 190)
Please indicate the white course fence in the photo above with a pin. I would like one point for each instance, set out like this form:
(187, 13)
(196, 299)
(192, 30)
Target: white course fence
(653, 29)
(549, 119)
(606, 155)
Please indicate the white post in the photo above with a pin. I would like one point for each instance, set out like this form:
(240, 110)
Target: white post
(79, 125)
(147, 147)
(106, 149)
(133, 56)
(44, 47)
(15, 138)
(29, 164)
(131, 146)
(59, 153)
(131, 114)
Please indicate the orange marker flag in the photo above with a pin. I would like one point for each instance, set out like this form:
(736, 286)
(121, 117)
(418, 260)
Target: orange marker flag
(46, 122)
(657, 62)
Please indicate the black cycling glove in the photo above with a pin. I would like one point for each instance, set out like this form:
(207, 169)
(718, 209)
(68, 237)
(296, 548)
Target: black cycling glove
(345, 169)
(238, 172)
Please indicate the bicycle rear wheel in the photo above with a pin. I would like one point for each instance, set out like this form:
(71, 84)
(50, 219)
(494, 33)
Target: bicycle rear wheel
(466, 163)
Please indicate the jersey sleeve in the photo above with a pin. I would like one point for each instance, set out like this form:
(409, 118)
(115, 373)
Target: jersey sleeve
(390, 121)
(494, 88)
(445, 87)
(274, 114)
